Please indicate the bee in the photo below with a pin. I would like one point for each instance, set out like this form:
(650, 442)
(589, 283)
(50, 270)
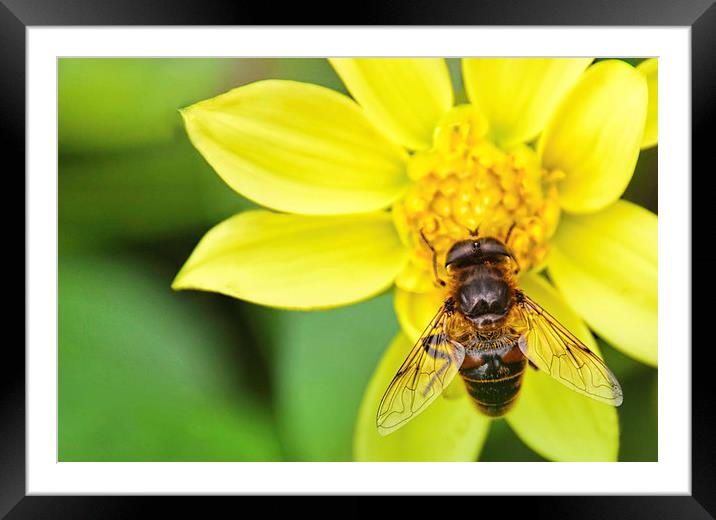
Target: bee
(488, 330)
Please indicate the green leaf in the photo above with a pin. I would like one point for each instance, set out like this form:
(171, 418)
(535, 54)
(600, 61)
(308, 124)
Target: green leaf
(643, 188)
(111, 103)
(638, 417)
(148, 194)
(310, 70)
(638, 414)
(322, 365)
(503, 445)
(142, 376)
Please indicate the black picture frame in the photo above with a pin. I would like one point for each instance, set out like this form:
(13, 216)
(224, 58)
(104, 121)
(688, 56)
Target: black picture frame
(700, 15)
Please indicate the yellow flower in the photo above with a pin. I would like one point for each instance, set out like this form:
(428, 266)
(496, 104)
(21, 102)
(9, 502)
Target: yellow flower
(547, 144)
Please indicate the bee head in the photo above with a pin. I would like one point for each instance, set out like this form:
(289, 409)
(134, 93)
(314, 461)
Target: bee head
(477, 251)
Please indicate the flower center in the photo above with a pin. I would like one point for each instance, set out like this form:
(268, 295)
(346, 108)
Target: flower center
(465, 181)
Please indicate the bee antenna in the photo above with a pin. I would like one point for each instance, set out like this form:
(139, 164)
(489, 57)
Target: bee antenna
(509, 232)
(435, 259)
(474, 232)
(507, 239)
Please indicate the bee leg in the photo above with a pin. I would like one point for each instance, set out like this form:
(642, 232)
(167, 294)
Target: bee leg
(532, 365)
(440, 282)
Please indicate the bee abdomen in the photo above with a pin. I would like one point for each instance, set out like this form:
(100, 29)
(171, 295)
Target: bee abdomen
(494, 387)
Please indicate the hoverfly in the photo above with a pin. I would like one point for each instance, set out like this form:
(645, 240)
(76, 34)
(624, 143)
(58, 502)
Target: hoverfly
(488, 330)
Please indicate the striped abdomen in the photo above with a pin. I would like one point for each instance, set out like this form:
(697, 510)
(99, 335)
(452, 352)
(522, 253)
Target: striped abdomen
(493, 380)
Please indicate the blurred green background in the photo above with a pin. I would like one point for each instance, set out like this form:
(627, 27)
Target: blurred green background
(147, 374)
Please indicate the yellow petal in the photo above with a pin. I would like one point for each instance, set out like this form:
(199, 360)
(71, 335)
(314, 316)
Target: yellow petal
(296, 261)
(517, 95)
(297, 147)
(650, 69)
(448, 430)
(594, 135)
(554, 421)
(562, 425)
(415, 278)
(606, 267)
(404, 97)
(415, 310)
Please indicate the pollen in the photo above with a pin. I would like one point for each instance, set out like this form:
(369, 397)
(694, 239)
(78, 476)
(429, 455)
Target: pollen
(465, 184)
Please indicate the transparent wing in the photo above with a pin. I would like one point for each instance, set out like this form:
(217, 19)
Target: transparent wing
(427, 371)
(555, 350)
(455, 390)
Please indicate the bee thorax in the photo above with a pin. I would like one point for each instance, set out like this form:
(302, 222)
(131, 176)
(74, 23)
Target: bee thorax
(484, 296)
